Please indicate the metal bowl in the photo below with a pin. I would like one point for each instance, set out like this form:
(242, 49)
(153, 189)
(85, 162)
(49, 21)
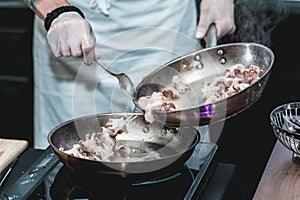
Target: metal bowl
(284, 123)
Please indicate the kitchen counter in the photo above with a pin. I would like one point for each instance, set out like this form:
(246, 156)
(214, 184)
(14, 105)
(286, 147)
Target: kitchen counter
(281, 177)
(9, 150)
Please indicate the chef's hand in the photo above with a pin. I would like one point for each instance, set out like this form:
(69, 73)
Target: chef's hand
(71, 35)
(220, 12)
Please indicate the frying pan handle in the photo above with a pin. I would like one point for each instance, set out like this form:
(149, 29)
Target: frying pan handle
(211, 36)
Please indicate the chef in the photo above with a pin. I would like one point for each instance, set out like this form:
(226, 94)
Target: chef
(134, 37)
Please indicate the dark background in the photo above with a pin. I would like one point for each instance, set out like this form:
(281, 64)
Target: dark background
(247, 140)
(16, 82)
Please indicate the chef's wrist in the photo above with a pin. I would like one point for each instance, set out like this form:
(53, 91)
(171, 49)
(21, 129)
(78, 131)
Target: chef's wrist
(58, 11)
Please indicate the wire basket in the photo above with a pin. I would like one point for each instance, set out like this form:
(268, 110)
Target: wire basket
(285, 129)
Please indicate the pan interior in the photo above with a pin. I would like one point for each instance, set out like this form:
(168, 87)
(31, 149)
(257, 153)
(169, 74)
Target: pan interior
(156, 143)
(210, 63)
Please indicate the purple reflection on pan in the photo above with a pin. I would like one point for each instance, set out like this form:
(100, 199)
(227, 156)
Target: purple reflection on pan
(205, 111)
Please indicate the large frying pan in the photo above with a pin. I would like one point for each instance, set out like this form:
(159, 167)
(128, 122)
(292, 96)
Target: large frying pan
(174, 145)
(210, 62)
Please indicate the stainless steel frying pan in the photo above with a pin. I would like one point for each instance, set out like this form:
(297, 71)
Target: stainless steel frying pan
(210, 62)
(173, 145)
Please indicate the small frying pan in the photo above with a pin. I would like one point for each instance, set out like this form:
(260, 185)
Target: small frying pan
(208, 64)
(173, 145)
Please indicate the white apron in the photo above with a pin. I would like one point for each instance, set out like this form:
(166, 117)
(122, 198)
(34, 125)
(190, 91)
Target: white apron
(133, 36)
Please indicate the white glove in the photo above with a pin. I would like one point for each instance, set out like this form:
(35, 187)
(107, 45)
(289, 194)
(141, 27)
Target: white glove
(220, 12)
(71, 35)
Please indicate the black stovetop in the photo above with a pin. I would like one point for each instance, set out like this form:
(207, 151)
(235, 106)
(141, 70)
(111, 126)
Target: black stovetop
(184, 183)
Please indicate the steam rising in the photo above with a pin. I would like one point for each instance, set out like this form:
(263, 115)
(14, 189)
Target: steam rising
(255, 21)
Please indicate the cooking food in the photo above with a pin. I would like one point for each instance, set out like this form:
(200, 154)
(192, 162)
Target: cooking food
(232, 81)
(136, 148)
(103, 145)
(166, 100)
